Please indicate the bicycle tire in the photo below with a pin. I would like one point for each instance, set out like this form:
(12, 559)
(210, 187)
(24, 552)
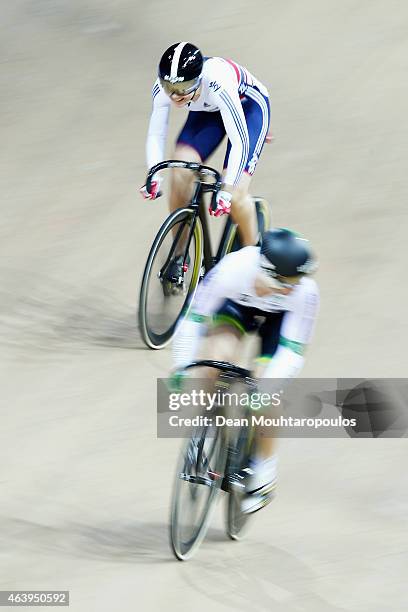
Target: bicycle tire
(184, 547)
(263, 217)
(263, 214)
(227, 239)
(149, 336)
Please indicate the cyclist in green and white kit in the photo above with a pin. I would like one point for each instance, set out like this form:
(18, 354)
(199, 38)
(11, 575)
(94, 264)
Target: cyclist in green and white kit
(267, 290)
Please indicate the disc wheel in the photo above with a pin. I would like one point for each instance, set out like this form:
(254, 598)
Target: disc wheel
(163, 303)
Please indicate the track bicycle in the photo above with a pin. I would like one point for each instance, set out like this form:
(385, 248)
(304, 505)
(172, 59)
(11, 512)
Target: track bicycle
(209, 463)
(165, 301)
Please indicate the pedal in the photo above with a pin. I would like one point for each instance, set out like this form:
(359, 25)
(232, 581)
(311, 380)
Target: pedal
(233, 481)
(209, 482)
(214, 475)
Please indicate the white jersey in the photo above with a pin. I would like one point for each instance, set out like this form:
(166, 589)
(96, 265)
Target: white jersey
(233, 278)
(224, 83)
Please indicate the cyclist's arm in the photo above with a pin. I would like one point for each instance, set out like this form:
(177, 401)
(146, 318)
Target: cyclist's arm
(223, 282)
(296, 332)
(157, 132)
(229, 103)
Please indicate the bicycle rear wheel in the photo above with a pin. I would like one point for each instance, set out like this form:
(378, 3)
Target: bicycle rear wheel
(162, 304)
(197, 483)
(263, 217)
(263, 214)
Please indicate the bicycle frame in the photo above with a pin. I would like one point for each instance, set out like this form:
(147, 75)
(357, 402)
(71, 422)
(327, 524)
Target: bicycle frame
(197, 206)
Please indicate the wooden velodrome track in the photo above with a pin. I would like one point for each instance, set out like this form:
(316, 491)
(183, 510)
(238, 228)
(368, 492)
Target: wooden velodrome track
(85, 482)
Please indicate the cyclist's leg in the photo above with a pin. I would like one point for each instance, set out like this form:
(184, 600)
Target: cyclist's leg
(199, 137)
(263, 460)
(223, 339)
(221, 343)
(182, 180)
(180, 193)
(269, 333)
(243, 211)
(231, 323)
(257, 114)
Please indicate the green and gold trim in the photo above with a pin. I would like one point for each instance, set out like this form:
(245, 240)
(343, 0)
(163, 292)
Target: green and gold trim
(263, 359)
(223, 319)
(296, 347)
(197, 318)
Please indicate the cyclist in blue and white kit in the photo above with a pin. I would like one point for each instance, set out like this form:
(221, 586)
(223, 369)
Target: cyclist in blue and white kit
(222, 98)
(266, 290)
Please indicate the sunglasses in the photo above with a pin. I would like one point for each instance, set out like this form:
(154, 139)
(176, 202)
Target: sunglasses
(180, 89)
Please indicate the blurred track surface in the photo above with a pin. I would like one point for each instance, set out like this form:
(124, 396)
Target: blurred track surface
(85, 483)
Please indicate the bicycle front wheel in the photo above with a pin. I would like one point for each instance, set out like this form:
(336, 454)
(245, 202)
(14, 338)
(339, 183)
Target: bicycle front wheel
(162, 303)
(198, 480)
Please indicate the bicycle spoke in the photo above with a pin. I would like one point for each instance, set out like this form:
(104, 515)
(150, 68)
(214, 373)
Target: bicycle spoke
(197, 483)
(164, 299)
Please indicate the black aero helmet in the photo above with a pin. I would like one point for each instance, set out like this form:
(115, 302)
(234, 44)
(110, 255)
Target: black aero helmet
(180, 68)
(288, 254)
